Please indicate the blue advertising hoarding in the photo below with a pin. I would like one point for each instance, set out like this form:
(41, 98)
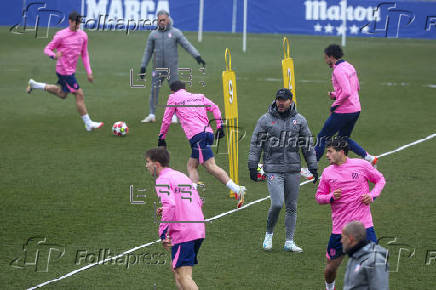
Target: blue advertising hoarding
(369, 18)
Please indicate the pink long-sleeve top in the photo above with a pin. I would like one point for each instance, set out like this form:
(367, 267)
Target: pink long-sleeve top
(71, 44)
(346, 88)
(352, 179)
(181, 207)
(191, 109)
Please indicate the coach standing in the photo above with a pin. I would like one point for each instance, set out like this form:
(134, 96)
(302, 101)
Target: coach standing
(280, 133)
(162, 42)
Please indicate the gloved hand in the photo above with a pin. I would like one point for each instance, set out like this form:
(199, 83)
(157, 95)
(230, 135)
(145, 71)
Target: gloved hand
(200, 60)
(219, 133)
(253, 174)
(332, 109)
(161, 141)
(314, 172)
(142, 71)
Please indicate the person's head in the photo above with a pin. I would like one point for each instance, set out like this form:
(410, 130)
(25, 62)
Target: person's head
(283, 100)
(332, 53)
(74, 20)
(352, 234)
(163, 19)
(177, 85)
(337, 150)
(156, 159)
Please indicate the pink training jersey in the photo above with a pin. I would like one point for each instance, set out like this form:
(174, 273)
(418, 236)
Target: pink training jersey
(192, 113)
(71, 44)
(352, 178)
(180, 202)
(346, 88)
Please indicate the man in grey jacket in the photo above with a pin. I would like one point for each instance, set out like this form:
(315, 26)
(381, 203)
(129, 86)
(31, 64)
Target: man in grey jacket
(367, 267)
(162, 43)
(280, 133)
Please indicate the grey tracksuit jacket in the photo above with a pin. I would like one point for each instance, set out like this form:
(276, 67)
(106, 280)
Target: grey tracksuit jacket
(367, 268)
(280, 138)
(163, 43)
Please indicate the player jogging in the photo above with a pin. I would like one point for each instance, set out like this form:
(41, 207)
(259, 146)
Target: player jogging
(182, 224)
(345, 109)
(191, 109)
(69, 43)
(344, 185)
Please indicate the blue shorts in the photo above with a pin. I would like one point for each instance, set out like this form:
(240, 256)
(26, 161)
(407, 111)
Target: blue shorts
(68, 83)
(185, 254)
(200, 145)
(334, 248)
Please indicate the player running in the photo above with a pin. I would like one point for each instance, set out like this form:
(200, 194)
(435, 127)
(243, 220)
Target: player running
(69, 43)
(182, 224)
(191, 109)
(344, 185)
(345, 109)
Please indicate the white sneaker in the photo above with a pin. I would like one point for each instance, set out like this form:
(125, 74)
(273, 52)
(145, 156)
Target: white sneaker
(29, 86)
(149, 118)
(174, 119)
(371, 159)
(267, 243)
(290, 246)
(93, 125)
(241, 195)
(306, 173)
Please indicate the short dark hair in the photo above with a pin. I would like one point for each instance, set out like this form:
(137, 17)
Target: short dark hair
(338, 143)
(75, 16)
(334, 50)
(177, 85)
(160, 155)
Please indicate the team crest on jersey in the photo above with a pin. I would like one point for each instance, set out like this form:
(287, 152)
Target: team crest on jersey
(273, 122)
(355, 175)
(357, 268)
(271, 177)
(170, 35)
(294, 122)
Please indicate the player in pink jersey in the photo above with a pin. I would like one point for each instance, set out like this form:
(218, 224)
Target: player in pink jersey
(182, 225)
(344, 185)
(69, 43)
(191, 109)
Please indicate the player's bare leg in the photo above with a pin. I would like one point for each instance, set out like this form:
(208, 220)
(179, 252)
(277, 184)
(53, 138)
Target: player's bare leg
(55, 90)
(331, 268)
(176, 279)
(81, 108)
(222, 176)
(192, 168)
(184, 274)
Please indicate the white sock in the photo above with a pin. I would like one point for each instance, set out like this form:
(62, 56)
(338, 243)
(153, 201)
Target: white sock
(37, 85)
(194, 185)
(330, 286)
(233, 186)
(86, 119)
(368, 157)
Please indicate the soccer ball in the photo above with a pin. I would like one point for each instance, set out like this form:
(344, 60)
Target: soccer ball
(120, 128)
(261, 176)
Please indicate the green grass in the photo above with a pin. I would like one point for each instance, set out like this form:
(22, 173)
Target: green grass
(72, 187)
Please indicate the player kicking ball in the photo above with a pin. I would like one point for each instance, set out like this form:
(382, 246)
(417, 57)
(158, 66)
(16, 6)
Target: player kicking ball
(191, 109)
(344, 185)
(182, 225)
(69, 43)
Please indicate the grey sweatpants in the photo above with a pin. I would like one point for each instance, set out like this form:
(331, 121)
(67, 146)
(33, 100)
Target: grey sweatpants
(157, 79)
(283, 187)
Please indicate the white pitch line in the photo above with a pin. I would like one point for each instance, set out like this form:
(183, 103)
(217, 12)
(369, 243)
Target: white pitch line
(209, 219)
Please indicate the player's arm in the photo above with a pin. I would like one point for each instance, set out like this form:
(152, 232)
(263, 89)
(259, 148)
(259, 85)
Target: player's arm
(166, 196)
(345, 85)
(52, 45)
(166, 120)
(212, 107)
(85, 59)
(148, 51)
(375, 177)
(323, 194)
